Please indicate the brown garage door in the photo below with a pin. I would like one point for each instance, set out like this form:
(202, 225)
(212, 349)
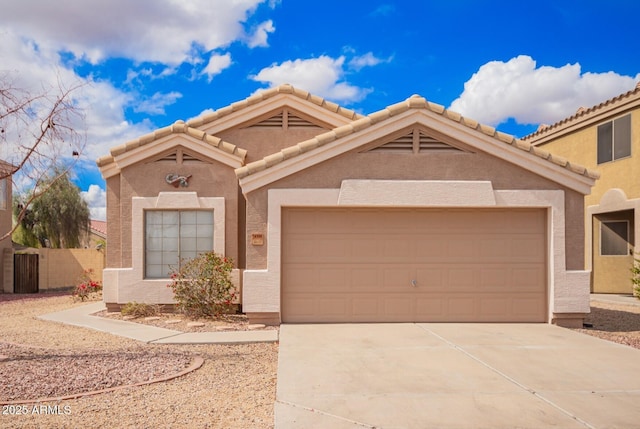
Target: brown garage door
(413, 265)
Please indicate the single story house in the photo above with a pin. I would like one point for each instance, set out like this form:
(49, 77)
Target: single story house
(412, 213)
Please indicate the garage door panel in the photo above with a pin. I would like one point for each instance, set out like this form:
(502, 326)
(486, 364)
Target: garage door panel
(342, 265)
(365, 307)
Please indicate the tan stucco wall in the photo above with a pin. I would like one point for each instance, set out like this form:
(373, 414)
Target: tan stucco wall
(440, 166)
(581, 147)
(148, 180)
(262, 141)
(114, 223)
(59, 268)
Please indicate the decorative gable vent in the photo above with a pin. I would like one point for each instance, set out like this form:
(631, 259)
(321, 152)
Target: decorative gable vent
(179, 157)
(284, 120)
(415, 142)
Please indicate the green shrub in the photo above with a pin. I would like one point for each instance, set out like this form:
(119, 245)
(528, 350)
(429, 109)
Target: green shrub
(635, 277)
(137, 309)
(202, 286)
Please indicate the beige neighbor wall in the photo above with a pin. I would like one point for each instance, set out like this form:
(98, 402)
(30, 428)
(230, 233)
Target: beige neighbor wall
(58, 268)
(610, 273)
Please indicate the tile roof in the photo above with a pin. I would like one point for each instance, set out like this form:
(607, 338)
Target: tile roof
(98, 226)
(176, 128)
(414, 102)
(270, 93)
(584, 113)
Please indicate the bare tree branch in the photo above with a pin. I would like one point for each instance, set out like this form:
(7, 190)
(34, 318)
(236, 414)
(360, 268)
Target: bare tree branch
(39, 138)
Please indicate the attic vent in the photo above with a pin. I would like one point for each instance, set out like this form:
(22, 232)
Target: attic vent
(274, 121)
(294, 121)
(171, 157)
(179, 157)
(415, 142)
(285, 119)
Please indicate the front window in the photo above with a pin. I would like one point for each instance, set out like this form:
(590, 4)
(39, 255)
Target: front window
(173, 235)
(614, 238)
(614, 139)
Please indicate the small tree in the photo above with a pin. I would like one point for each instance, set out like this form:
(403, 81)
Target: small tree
(57, 218)
(202, 286)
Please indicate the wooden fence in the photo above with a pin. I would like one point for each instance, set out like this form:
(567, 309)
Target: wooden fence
(25, 273)
(54, 268)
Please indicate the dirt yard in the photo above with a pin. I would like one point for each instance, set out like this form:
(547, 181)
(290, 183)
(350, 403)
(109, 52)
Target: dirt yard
(234, 388)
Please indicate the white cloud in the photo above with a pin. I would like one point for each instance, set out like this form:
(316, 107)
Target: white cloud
(322, 76)
(96, 199)
(145, 30)
(216, 64)
(156, 104)
(260, 36)
(517, 89)
(367, 60)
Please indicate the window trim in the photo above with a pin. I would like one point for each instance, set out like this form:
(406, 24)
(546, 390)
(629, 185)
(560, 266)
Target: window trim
(613, 140)
(171, 201)
(602, 223)
(179, 211)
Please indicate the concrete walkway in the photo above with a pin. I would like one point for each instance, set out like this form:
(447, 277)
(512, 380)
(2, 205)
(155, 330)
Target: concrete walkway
(452, 375)
(612, 298)
(83, 317)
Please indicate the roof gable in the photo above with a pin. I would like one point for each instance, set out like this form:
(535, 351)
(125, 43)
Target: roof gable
(585, 117)
(411, 112)
(160, 141)
(239, 114)
(415, 140)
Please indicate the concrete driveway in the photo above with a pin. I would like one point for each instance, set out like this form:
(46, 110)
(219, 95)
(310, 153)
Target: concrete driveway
(453, 376)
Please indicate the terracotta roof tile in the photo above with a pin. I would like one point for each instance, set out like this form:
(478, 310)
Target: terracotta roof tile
(414, 102)
(583, 113)
(269, 93)
(99, 226)
(178, 127)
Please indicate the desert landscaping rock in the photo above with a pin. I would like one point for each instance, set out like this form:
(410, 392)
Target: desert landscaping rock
(195, 324)
(172, 321)
(234, 388)
(150, 318)
(256, 326)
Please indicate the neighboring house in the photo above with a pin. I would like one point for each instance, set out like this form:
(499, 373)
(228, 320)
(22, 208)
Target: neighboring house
(412, 213)
(97, 237)
(6, 224)
(605, 137)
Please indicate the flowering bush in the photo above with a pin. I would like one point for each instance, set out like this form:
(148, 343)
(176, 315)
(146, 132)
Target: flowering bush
(202, 286)
(86, 287)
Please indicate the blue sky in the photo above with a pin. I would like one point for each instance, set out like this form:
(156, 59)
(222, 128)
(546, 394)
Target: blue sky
(148, 63)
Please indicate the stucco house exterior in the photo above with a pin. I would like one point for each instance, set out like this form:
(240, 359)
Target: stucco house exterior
(605, 137)
(412, 213)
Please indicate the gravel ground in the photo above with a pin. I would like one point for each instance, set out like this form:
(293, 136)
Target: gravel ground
(619, 323)
(180, 322)
(234, 388)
